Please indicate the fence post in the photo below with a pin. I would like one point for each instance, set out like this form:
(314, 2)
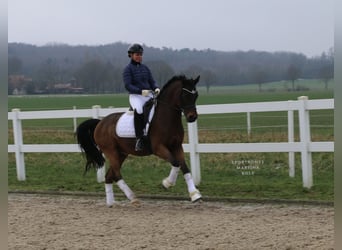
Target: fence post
(290, 127)
(194, 155)
(305, 138)
(96, 111)
(248, 123)
(101, 172)
(18, 142)
(75, 121)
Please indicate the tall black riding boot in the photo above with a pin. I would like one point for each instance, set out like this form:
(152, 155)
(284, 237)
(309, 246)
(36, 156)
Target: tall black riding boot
(139, 133)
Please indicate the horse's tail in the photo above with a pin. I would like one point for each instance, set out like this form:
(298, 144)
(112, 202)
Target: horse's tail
(85, 138)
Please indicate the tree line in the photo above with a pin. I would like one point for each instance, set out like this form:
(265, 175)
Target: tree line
(98, 69)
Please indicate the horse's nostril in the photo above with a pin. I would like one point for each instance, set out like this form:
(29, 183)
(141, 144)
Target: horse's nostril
(192, 117)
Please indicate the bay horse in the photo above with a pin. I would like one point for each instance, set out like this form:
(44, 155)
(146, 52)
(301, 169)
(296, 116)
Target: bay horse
(165, 136)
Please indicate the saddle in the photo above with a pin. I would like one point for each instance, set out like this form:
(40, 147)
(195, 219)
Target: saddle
(125, 124)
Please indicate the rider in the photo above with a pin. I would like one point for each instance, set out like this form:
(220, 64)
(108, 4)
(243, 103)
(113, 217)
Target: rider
(139, 83)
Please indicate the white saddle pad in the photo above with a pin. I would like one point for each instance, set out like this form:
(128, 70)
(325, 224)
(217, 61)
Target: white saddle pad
(125, 124)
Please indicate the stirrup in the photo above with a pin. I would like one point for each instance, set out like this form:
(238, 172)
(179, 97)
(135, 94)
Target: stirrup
(139, 145)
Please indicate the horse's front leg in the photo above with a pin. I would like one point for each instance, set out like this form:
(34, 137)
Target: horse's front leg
(176, 158)
(172, 178)
(164, 153)
(194, 193)
(170, 181)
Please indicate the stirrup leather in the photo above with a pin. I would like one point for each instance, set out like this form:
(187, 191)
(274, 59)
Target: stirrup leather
(139, 145)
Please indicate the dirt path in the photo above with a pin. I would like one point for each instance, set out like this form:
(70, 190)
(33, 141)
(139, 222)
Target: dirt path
(62, 222)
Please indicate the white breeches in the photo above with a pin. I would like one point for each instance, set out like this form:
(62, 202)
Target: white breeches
(137, 102)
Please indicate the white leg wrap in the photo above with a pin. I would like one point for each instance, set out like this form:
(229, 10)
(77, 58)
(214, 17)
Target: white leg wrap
(193, 191)
(173, 174)
(190, 183)
(172, 178)
(109, 195)
(125, 188)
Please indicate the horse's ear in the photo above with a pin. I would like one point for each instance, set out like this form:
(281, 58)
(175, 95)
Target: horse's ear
(196, 80)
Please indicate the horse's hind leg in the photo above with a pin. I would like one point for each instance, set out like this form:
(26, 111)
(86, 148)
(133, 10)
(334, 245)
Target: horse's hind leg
(127, 191)
(110, 175)
(114, 174)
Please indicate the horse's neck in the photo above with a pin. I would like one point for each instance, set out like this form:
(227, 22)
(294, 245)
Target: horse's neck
(170, 113)
(168, 107)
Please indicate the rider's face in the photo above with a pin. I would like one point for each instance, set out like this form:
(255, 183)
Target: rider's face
(137, 57)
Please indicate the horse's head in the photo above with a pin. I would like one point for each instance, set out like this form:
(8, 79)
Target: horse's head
(188, 99)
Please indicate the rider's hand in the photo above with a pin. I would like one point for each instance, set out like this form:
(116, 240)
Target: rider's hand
(157, 91)
(145, 92)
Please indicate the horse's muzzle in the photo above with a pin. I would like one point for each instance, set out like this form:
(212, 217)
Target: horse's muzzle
(191, 116)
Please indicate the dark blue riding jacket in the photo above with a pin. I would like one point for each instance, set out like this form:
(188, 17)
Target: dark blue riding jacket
(137, 77)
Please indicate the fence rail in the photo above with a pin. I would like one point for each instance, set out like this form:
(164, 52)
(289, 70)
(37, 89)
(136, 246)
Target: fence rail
(304, 146)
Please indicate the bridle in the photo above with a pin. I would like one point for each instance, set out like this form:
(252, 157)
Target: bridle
(191, 106)
(183, 107)
(193, 92)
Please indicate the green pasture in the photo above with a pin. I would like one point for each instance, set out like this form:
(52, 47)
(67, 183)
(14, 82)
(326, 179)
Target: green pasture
(274, 91)
(221, 176)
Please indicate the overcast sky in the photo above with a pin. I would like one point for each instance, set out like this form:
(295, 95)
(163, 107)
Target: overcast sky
(304, 26)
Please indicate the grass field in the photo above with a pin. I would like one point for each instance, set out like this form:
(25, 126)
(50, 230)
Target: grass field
(216, 95)
(221, 176)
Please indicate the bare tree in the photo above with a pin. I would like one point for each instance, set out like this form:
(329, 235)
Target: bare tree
(48, 73)
(258, 75)
(161, 71)
(14, 65)
(92, 76)
(208, 78)
(293, 73)
(326, 72)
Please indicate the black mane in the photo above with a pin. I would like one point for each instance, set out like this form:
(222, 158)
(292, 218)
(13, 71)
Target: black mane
(172, 80)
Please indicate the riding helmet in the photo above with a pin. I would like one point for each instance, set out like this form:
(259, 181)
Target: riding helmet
(135, 48)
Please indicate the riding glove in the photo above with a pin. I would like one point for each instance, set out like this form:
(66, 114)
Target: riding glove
(145, 92)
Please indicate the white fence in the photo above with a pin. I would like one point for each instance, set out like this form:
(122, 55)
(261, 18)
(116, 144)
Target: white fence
(305, 146)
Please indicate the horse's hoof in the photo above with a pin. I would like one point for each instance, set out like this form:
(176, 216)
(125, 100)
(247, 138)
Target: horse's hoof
(199, 200)
(167, 184)
(195, 196)
(109, 205)
(135, 202)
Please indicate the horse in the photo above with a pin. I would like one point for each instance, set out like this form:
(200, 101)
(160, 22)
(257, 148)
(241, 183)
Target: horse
(165, 137)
